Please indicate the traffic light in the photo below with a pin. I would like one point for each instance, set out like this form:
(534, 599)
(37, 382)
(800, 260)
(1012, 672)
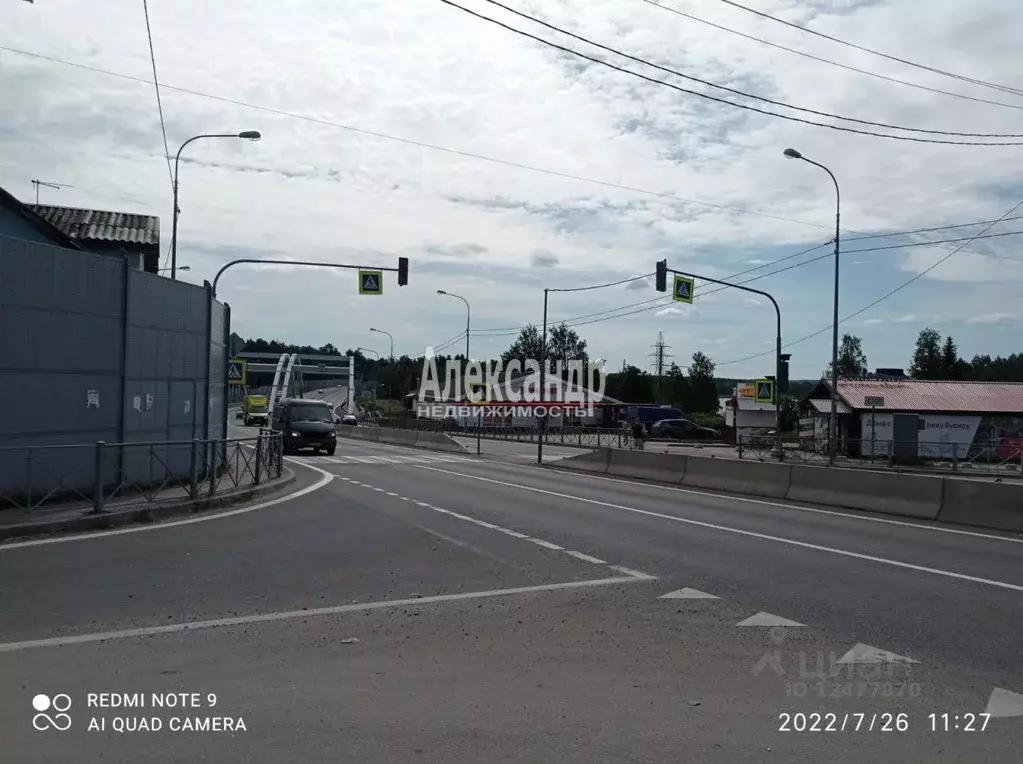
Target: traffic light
(662, 276)
(783, 381)
(402, 271)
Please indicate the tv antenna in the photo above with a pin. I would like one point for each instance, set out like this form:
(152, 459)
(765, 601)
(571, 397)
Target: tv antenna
(57, 186)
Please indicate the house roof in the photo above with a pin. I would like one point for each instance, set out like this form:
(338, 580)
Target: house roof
(100, 225)
(926, 395)
(48, 230)
(823, 405)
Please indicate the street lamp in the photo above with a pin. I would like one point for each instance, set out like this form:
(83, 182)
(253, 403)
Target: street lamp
(390, 368)
(250, 135)
(368, 350)
(468, 316)
(833, 424)
(182, 268)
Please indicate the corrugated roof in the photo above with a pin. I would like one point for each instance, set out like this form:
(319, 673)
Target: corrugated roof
(823, 405)
(100, 225)
(922, 395)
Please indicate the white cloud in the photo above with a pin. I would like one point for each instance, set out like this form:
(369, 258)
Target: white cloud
(993, 318)
(679, 310)
(499, 234)
(639, 283)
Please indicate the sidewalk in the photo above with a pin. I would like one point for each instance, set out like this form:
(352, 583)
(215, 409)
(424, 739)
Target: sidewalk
(78, 516)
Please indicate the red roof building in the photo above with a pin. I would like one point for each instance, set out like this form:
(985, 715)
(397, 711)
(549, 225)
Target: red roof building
(919, 396)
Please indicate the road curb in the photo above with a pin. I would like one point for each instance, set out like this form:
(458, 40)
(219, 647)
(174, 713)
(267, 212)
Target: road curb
(146, 515)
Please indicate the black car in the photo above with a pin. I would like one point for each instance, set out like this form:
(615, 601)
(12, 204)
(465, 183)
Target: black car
(306, 424)
(682, 429)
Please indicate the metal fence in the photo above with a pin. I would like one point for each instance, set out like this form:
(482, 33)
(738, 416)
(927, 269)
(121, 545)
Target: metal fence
(103, 476)
(987, 458)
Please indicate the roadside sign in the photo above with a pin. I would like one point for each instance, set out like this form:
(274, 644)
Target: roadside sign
(747, 391)
(371, 282)
(873, 401)
(237, 371)
(683, 289)
(765, 391)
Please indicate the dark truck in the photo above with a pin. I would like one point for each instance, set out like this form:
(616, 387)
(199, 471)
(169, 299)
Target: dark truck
(306, 424)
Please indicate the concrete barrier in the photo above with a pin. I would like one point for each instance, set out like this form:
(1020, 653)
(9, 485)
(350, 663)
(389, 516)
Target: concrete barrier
(664, 468)
(893, 493)
(438, 441)
(983, 503)
(358, 433)
(758, 478)
(591, 461)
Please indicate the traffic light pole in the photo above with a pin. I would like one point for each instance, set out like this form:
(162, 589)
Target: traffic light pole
(401, 270)
(663, 270)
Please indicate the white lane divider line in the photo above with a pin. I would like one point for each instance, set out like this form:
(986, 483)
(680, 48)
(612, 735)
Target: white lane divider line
(175, 628)
(741, 532)
(547, 545)
(507, 531)
(585, 557)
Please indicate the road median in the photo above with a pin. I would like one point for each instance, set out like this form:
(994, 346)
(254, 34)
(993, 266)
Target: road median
(947, 499)
(424, 439)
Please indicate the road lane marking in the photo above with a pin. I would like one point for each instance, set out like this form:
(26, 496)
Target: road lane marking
(629, 577)
(768, 619)
(741, 532)
(491, 526)
(862, 653)
(547, 545)
(687, 594)
(585, 557)
(326, 477)
(750, 500)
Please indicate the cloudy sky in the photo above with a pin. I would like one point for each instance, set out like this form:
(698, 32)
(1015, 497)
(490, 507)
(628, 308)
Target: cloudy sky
(499, 165)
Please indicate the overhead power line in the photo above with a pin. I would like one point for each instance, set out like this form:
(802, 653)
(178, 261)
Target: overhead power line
(159, 100)
(734, 91)
(925, 67)
(930, 230)
(423, 144)
(822, 60)
(884, 297)
(709, 97)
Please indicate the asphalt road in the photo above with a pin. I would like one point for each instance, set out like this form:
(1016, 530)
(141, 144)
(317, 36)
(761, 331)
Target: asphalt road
(428, 607)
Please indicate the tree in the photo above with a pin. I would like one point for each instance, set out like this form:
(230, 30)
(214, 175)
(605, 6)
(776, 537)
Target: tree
(632, 385)
(952, 366)
(703, 394)
(675, 388)
(526, 345)
(927, 357)
(852, 362)
(565, 345)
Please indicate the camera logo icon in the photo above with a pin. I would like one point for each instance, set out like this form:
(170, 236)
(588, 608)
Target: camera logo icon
(60, 720)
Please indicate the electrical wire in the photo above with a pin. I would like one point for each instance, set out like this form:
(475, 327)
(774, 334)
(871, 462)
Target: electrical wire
(828, 61)
(159, 100)
(925, 67)
(967, 239)
(741, 93)
(422, 144)
(602, 286)
(881, 299)
(928, 230)
(708, 97)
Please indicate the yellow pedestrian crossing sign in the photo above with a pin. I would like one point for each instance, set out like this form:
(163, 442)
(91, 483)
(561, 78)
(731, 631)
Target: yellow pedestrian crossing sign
(683, 289)
(371, 282)
(765, 391)
(237, 371)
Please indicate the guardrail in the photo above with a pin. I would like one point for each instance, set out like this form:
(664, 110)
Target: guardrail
(995, 456)
(100, 475)
(566, 436)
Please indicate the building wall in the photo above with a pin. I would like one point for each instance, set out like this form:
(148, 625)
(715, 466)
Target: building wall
(94, 350)
(15, 226)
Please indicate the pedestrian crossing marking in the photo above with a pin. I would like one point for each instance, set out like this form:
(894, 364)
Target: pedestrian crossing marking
(351, 460)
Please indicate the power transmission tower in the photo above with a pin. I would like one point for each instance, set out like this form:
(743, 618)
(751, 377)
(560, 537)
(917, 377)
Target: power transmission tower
(660, 357)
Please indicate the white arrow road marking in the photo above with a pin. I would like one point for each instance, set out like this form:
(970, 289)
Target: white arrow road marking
(687, 594)
(767, 619)
(862, 653)
(1004, 703)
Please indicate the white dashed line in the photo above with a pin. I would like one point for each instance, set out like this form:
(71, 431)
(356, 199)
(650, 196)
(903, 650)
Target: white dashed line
(547, 545)
(506, 531)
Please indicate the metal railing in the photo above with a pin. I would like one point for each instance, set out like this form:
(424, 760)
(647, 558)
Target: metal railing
(988, 457)
(101, 476)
